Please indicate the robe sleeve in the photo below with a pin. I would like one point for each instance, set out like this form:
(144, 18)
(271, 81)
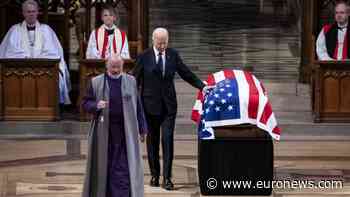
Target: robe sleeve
(11, 45)
(89, 102)
(51, 45)
(125, 49)
(91, 51)
(143, 128)
(52, 49)
(321, 48)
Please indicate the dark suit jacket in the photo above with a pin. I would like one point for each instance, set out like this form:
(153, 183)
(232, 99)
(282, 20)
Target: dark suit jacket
(156, 89)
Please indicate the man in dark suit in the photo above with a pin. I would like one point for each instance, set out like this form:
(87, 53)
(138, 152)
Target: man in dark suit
(154, 72)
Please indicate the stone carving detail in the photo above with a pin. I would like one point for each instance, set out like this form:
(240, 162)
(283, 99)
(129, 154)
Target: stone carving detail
(94, 72)
(23, 72)
(336, 74)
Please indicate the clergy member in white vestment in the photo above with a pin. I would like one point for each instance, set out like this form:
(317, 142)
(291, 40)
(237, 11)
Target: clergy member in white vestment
(31, 39)
(333, 41)
(108, 39)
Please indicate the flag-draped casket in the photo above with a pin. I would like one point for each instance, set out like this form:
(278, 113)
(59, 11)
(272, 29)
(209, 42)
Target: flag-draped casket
(237, 99)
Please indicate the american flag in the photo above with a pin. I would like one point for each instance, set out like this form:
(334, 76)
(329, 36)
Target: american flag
(237, 97)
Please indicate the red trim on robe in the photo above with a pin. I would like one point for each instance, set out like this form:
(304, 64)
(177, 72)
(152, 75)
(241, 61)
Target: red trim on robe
(335, 53)
(105, 42)
(96, 35)
(115, 42)
(345, 47)
(326, 28)
(123, 39)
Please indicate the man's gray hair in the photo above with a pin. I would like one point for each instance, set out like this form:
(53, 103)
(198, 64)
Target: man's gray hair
(30, 2)
(160, 30)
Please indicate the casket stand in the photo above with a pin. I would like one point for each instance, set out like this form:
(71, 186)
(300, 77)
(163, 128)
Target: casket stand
(238, 153)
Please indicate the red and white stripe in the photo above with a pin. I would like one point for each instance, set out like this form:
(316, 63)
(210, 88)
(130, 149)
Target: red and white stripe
(101, 36)
(254, 105)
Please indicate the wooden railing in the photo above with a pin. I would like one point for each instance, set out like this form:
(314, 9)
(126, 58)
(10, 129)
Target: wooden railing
(29, 89)
(330, 87)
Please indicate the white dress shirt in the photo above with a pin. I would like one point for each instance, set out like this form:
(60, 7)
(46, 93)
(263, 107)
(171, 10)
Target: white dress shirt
(156, 52)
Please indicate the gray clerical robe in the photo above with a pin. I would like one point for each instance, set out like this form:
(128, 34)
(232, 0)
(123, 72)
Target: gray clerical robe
(134, 123)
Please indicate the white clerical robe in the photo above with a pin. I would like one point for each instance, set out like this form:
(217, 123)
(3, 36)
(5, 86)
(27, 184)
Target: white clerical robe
(40, 43)
(116, 43)
(321, 48)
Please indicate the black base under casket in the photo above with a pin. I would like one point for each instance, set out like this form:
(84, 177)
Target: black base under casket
(246, 159)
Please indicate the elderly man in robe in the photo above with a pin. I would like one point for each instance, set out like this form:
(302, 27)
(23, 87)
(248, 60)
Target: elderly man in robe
(31, 39)
(333, 41)
(114, 166)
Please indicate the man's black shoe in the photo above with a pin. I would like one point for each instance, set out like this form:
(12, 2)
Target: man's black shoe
(168, 185)
(154, 181)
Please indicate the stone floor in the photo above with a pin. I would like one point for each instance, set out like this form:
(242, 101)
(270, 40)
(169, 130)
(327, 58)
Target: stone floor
(37, 167)
(48, 159)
